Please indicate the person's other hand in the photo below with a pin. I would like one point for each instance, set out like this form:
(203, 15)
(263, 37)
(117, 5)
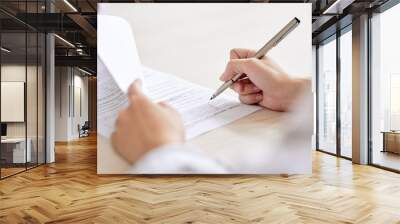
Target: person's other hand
(267, 84)
(145, 125)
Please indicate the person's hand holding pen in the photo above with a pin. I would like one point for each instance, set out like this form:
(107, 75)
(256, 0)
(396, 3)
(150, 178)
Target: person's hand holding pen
(265, 83)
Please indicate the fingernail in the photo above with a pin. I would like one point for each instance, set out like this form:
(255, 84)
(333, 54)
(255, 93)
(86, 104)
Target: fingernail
(236, 87)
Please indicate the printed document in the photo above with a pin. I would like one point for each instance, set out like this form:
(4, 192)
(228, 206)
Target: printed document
(199, 115)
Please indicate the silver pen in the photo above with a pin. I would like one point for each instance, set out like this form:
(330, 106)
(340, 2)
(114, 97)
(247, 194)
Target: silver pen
(261, 53)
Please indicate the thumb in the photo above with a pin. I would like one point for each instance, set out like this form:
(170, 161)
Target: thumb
(238, 53)
(239, 66)
(135, 88)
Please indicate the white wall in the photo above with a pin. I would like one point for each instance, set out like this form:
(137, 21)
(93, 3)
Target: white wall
(12, 73)
(62, 81)
(34, 126)
(71, 94)
(80, 103)
(12, 101)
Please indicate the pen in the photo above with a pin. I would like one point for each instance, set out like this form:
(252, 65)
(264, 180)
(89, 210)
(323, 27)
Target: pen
(261, 53)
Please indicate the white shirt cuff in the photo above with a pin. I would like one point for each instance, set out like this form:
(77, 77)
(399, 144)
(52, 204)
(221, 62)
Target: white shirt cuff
(177, 159)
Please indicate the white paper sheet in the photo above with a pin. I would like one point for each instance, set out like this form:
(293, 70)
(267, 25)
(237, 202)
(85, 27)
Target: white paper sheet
(110, 100)
(199, 115)
(117, 49)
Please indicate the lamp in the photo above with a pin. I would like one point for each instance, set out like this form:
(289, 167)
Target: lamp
(70, 5)
(5, 50)
(64, 40)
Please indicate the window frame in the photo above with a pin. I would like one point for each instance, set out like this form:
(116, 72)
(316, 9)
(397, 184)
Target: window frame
(380, 9)
(27, 29)
(334, 37)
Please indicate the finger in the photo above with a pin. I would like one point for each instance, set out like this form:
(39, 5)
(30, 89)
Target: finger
(244, 88)
(240, 81)
(135, 88)
(245, 80)
(139, 104)
(124, 116)
(119, 121)
(135, 93)
(251, 98)
(259, 73)
(239, 66)
(238, 53)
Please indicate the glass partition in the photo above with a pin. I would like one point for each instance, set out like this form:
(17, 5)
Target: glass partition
(22, 67)
(32, 84)
(41, 97)
(31, 99)
(13, 105)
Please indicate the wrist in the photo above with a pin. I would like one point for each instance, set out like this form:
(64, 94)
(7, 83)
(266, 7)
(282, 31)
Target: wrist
(295, 90)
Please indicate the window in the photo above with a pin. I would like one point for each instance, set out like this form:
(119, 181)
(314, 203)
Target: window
(346, 93)
(327, 96)
(385, 89)
(394, 101)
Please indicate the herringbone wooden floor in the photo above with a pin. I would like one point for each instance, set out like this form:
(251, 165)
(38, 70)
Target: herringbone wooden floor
(69, 191)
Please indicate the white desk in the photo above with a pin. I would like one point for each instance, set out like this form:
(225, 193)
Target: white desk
(18, 149)
(196, 48)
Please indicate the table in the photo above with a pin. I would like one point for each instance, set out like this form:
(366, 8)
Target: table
(13, 150)
(391, 141)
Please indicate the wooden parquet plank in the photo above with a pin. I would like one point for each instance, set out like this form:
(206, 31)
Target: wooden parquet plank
(70, 191)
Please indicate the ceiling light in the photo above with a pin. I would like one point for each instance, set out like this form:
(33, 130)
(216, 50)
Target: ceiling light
(337, 7)
(70, 5)
(65, 41)
(84, 71)
(5, 50)
(333, 6)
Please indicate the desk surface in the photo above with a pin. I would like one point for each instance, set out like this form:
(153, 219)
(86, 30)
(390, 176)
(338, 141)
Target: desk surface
(197, 50)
